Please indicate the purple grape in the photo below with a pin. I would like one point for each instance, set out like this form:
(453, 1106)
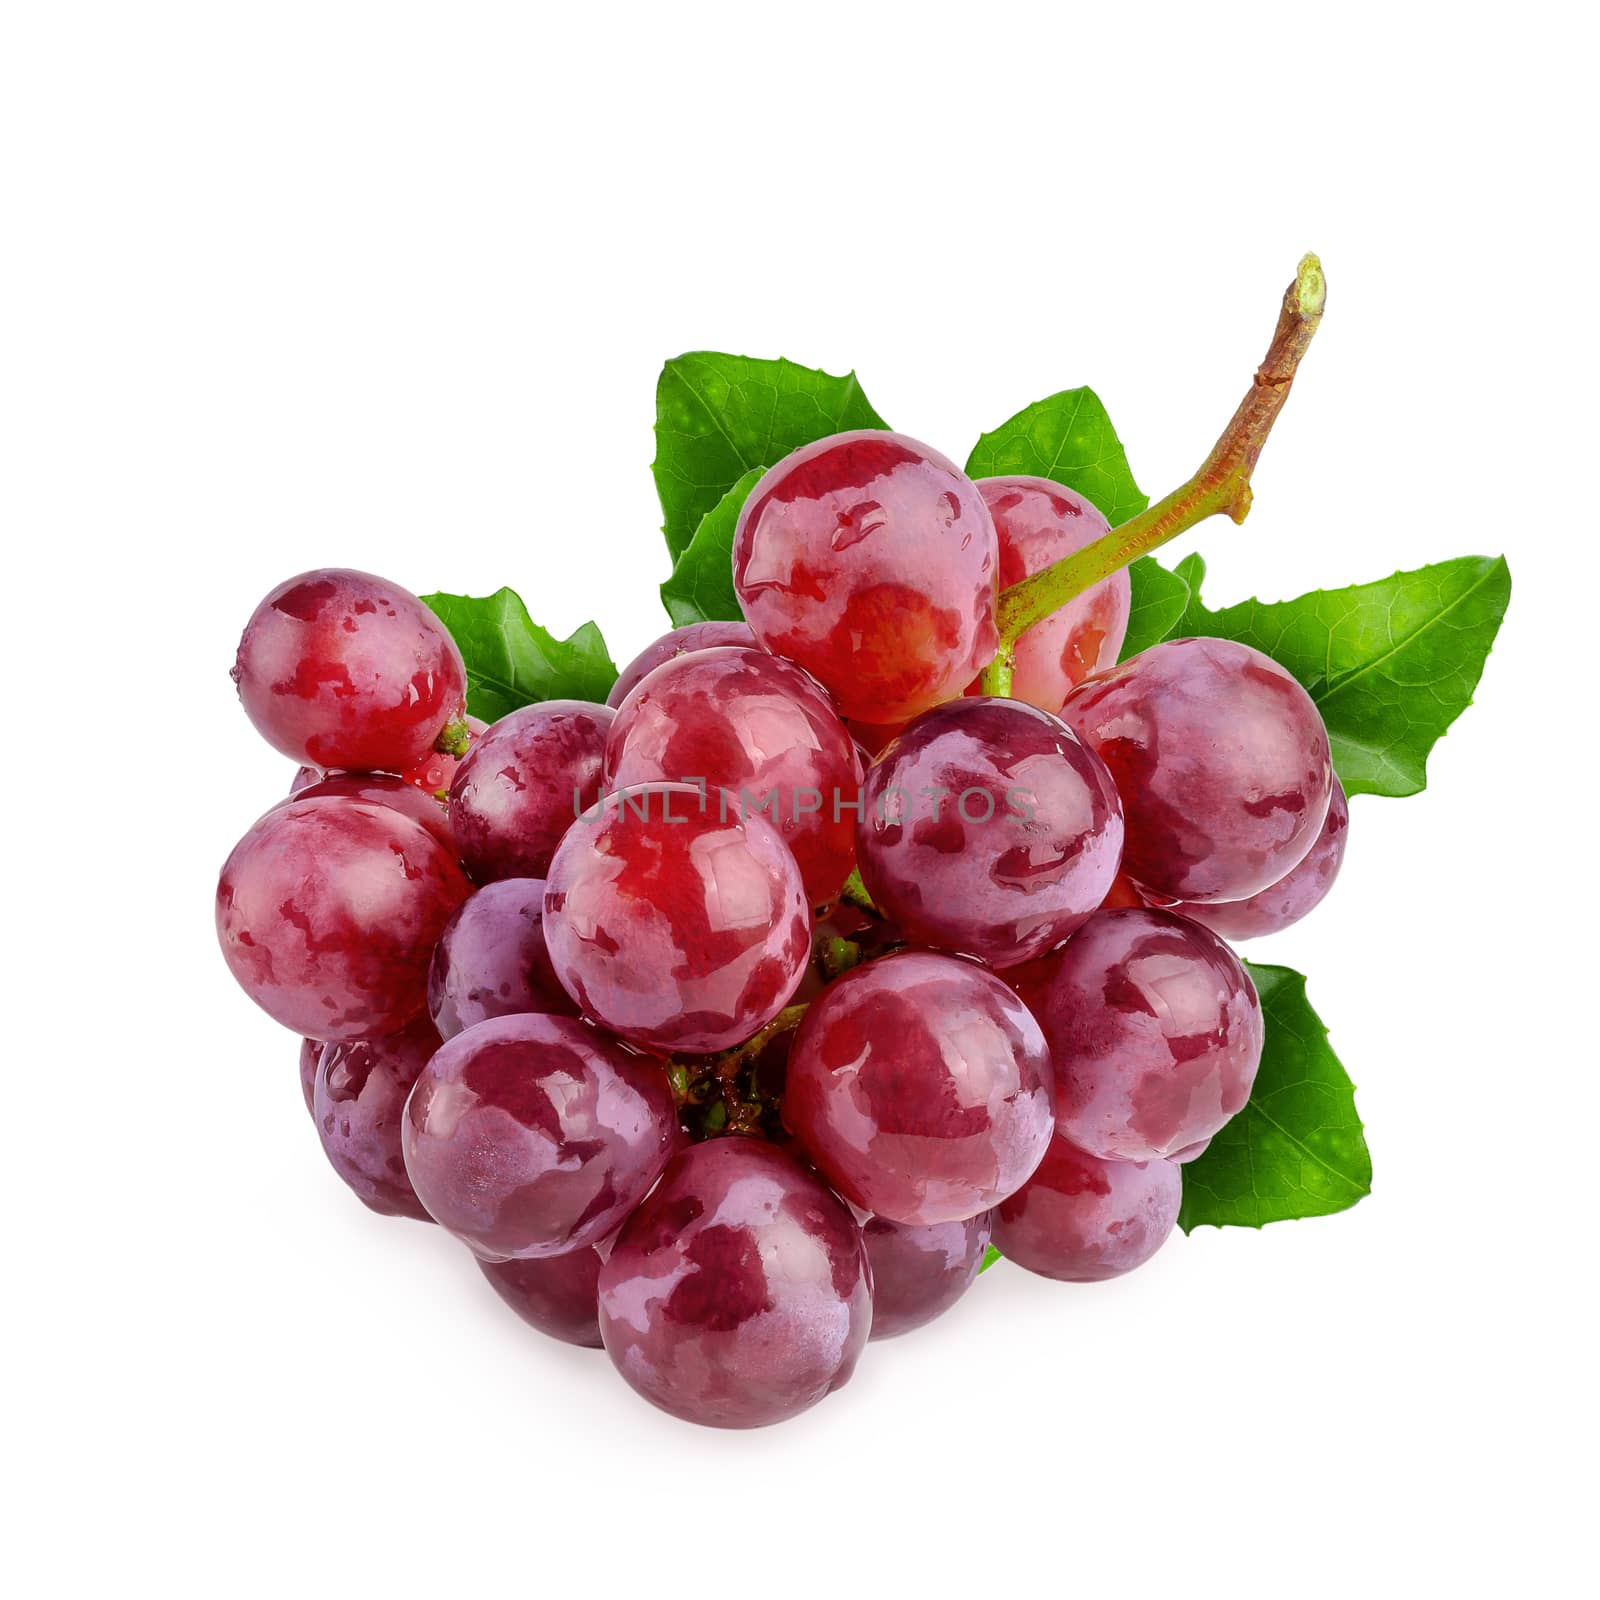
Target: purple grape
(920, 1086)
(341, 669)
(378, 790)
(560, 1296)
(532, 1135)
(738, 1294)
(761, 729)
(491, 960)
(310, 1054)
(1291, 897)
(1038, 522)
(523, 782)
(1154, 1030)
(361, 1092)
(871, 561)
(673, 926)
(328, 911)
(1082, 1220)
(990, 829)
(693, 636)
(918, 1273)
(304, 777)
(1222, 762)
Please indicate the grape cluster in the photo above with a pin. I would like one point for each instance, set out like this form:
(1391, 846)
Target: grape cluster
(728, 1024)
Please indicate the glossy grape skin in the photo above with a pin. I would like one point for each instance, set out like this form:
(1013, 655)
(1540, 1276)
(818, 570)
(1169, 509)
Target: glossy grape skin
(328, 911)
(918, 1273)
(672, 926)
(521, 785)
(1289, 899)
(989, 829)
(310, 1054)
(533, 1135)
(560, 1296)
(378, 789)
(920, 1086)
(1154, 1029)
(360, 1102)
(304, 777)
(491, 960)
(1222, 762)
(343, 669)
(692, 636)
(739, 1293)
(1037, 523)
(743, 721)
(871, 561)
(1082, 1220)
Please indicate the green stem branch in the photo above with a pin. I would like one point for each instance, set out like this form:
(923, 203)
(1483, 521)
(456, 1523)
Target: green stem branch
(1220, 487)
(855, 892)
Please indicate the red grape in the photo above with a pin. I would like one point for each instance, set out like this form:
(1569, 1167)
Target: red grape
(560, 1295)
(761, 729)
(1038, 522)
(693, 636)
(1081, 1220)
(362, 1086)
(379, 790)
(491, 960)
(990, 829)
(871, 561)
(328, 911)
(918, 1273)
(1154, 1029)
(1291, 897)
(533, 1135)
(523, 782)
(342, 669)
(738, 1294)
(673, 925)
(920, 1086)
(310, 1054)
(1222, 762)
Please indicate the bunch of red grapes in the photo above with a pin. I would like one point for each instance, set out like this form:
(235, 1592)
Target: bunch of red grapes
(729, 1022)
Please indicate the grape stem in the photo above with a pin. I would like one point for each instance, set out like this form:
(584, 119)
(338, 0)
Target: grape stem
(455, 738)
(1220, 487)
(855, 893)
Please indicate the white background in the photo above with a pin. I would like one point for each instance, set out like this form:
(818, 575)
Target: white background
(288, 286)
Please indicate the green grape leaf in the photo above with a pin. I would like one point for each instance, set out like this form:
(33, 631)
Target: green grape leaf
(1068, 438)
(1390, 664)
(1160, 599)
(717, 416)
(1296, 1150)
(701, 586)
(512, 661)
(990, 1256)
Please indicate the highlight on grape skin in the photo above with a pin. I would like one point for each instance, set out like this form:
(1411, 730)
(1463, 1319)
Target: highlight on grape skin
(732, 1011)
